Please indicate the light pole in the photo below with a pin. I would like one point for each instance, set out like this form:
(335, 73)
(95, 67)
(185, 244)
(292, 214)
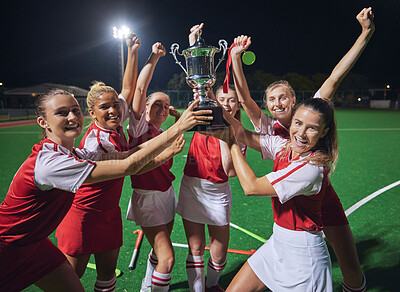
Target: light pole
(386, 88)
(121, 34)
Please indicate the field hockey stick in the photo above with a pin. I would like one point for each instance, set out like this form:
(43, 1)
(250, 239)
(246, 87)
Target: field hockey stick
(259, 238)
(238, 251)
(137, 245)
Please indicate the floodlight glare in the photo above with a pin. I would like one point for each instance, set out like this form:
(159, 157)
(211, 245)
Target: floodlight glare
(121, 33)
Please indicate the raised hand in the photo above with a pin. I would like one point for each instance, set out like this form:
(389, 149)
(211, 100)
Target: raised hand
(173, 112)
(193, 33)
(133, 42)
(366, 19)
(158, 50)
(242, 43)
(178, 145)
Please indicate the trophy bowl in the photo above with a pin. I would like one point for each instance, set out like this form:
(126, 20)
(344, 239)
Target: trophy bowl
(201, 74)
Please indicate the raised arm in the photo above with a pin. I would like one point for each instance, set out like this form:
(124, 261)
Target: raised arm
(365, 18)
(251, 184)
(248, 104)
(131, 69)
(145, 76)
(110, 169)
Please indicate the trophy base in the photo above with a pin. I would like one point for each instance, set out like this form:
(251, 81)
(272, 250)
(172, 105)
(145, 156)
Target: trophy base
(217, 123)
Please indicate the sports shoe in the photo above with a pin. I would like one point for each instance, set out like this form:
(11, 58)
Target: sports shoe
(216, 288)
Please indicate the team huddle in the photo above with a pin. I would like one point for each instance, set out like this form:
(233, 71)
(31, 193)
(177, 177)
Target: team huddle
(76, 191)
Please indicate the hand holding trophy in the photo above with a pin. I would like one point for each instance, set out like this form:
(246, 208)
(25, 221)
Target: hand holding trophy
(201, 74)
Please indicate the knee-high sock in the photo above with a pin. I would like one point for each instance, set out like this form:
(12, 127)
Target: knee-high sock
(105, 286)
(160, 282)
(152, 262)
(195, 273)
(362, 288)
(214, 271)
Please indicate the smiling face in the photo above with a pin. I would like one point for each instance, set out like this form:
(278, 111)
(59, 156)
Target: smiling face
(157, 109)
(280, 103)
(63, 119)
(308, 126)
(229, 101)
(107, 111)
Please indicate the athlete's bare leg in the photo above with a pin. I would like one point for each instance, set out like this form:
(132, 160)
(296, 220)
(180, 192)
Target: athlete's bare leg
(342, 241)
(106, 263)
(196, 237)
(219, 240)
(245, 280)
(159, 239)
(63, 279)
(79, 263)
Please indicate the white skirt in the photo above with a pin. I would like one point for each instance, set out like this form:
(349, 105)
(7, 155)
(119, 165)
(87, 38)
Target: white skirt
(293, 261)
(205, 202)
(150, 208)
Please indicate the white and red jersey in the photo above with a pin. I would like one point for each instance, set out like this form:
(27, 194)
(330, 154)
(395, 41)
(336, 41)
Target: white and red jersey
(42, 192)
(299, 184)
(332, 209)
(204, 159)
(103, 195)
(271, 126)
(159, 178)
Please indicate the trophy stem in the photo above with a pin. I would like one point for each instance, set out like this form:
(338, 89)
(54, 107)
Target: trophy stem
(204, 100)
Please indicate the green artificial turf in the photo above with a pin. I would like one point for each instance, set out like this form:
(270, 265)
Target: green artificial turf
(369, 160)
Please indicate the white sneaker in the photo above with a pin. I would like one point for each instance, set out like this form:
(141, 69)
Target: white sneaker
(145, 288)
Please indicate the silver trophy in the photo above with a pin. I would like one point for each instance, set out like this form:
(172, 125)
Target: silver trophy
(200, 74)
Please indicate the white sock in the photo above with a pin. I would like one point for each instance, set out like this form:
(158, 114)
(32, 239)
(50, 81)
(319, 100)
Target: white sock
(214, 271)
(105, 286)
(160, 282)
(152, 262)
(362, 288)
(195, 273)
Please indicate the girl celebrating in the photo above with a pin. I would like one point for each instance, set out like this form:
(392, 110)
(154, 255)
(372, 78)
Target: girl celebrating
(205, 197)
(93, 225)
(153, 202)
(43, 188)
(295, 257)
(280, 100)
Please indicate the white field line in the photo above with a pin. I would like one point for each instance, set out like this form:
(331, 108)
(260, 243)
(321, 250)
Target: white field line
(14, 133)
(370, 197)
(369, 129)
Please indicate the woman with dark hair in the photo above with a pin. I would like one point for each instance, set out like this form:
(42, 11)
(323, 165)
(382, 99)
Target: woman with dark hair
(43, 190)
(295, 257)
(280, 100)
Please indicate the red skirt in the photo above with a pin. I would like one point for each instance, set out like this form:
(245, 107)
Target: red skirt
(23, 266)
(85, 232)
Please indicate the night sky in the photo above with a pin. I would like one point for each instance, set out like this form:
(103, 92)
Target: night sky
(71, 42)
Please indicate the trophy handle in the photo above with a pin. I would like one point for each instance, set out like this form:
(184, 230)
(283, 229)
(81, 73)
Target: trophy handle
(174, 51)
(222, 45)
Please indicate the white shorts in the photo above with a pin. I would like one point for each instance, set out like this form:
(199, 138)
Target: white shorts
(205, 202)
(150, 208)
(293, 261)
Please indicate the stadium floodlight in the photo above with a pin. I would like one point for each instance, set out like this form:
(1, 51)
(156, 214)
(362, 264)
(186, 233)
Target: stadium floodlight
(121, 34)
